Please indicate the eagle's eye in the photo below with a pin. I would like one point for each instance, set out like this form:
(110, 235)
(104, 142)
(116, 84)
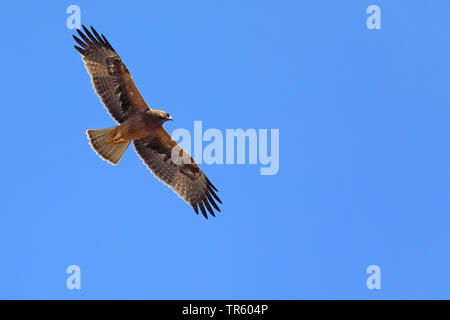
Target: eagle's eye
(167, 115)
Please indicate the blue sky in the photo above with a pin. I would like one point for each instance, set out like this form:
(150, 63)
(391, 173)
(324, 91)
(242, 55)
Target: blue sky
(364, 154)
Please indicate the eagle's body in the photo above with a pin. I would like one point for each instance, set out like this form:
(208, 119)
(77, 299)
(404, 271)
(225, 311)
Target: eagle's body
(141, 125)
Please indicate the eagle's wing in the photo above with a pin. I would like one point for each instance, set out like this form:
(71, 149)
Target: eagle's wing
(184, 177)
(110, 78)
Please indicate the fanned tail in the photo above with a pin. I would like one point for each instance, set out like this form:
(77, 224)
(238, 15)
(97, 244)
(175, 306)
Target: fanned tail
(101, 141)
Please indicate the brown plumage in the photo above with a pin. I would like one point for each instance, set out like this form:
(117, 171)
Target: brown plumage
(141, 125)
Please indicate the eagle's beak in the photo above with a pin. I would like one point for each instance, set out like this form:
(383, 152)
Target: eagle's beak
(169, 118)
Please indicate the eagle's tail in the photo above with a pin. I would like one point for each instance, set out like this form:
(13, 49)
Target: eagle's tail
(102, 143)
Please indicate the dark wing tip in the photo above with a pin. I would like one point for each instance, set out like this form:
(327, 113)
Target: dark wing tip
(210, 189)
(97, 36)
(210, 184)
(208, 206)
(84, 37)
(81, 51)
(207, 202)
(106, 42)
(194, 205)
(202, 208)
(78, 40)
(92, 39)
(208, 198)
(205, 206)
(89, 34)
(211, 200)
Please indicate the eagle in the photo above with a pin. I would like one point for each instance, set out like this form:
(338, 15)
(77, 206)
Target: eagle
(141, 125)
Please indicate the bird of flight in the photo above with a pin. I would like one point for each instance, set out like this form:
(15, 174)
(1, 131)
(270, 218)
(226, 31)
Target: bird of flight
(139, 124)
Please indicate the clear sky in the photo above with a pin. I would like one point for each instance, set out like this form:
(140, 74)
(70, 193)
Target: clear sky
(363, 119)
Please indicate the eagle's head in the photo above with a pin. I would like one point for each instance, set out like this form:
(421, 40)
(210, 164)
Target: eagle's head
(159, 115)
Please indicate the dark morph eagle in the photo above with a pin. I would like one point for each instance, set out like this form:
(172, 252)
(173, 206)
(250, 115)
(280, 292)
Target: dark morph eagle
(138, 123)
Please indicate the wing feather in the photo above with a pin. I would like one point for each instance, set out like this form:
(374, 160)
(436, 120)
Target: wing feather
(185, 179)
(110, 78)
